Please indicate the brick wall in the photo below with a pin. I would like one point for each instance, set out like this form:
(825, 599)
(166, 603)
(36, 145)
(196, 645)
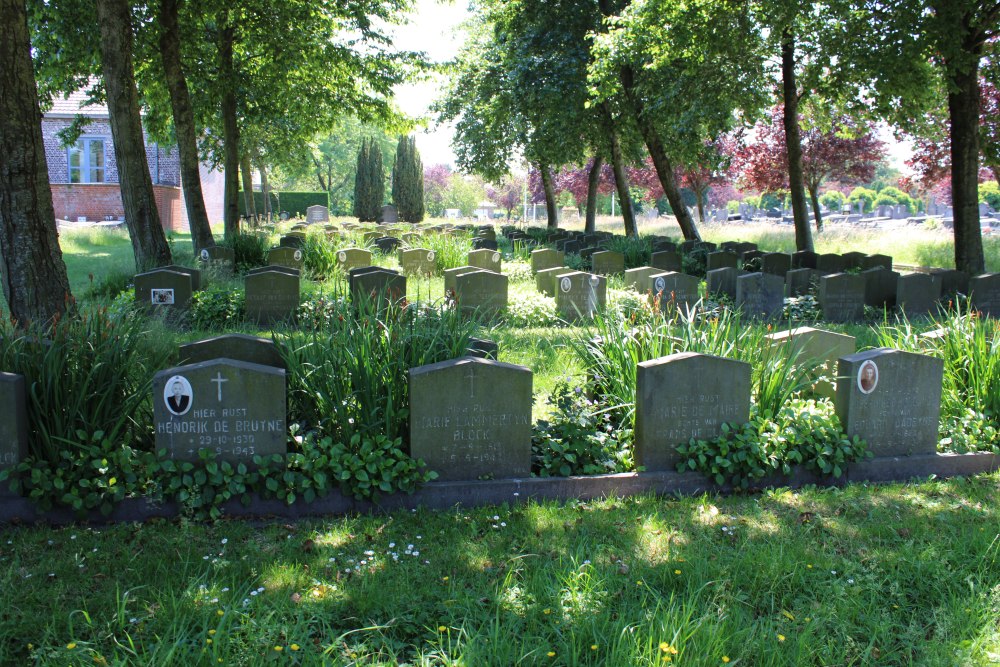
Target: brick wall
(95, 201)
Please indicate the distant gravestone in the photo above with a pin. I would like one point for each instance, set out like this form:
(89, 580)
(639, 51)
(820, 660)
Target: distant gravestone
(674, 290)
(918, 293)
(721, 260)
(804, 259)
(546, 258)
(387, 244)
(194, 273)
(275, 268)
(880, 287)
(482, 292)
(722, 281)
(637, 279)
(776, 263)
(830, 263)
(317, 214)
(162, 289)
(891, 399)
(235, 409)
(471, 418)
(13, 422)
(875, 261)
(295, 240)
(819, 349)
(271, 296)
(760, 295)
(985, 294)
(683, 396)
(800, 281)
(381, 286)
(842, 297)
(286, 256)
(687, 246)
(483, 348)
(580, 295)
(952, 282)
(353, 258)
(417, 261)
(389, 214)
(545, 280)
(480, 243)
(485, 259)
(666, 260)
(451, 274)
(608, 263)
(853, 260)
(217, 259)
(241, 347)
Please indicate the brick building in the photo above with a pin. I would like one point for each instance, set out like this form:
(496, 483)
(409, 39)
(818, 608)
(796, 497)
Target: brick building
(84, 176)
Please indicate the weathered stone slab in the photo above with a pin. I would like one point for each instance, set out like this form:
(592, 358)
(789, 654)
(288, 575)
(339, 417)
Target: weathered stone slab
(637, 279)
(451, 274)
(546, 258)
(891, 399)
(800, 281)
(819, 348)
(880, 287)
(875, 261)
(580, 295)
(545, 280)
(853, 259)
(294, 240)
(387, 244)
(952, 282)
(241, 347)
(722, 281)
(666, 260)
(271, 296)
(217, 259)
(13, 423)
(483, 348)
(721, 259)
(776, 263)
(760, 295)
(471, 418)
(985, 294)
(480, 243)
(608, 262)
(918, 293)
(381, 286)
(683, 396)
(317, 214)
(163, 289)
(481, 292)
(830, 263)
(233, 408)
(417, 261)
(485, 259)
(286, 256)
(353, 258)
(675, 290)
(842, 297)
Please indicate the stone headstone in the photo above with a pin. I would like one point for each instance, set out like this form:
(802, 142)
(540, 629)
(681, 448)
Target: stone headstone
(471, 418)
(483, 348)
(853, 260)
(317, 214)
(985, 294)
(706, 246)
(800, 281)
(952, 282)
(830, 263)
(674, 290)
(484, 244)
(819, 349)
(873, 261)
(580, 295)
(275, 268)
(389, 214)
(776, 263)
(666, 260)
(286, 256)
(251, 349)
(721, 260)
(481, 292)
(217, 259)
(194, 273)
(880, 287)
(546, 258)
(485, 259)
(387, 244)
(353, 258)
(451, 274)
(687, 246)
(891, 399)
(163, 289)
(13, 422)
(637, 279)
(271, 296)
(683, 396)
(722, 281)
(233, 408)
(381, 286)
(545, 280)
(918, 294)
(608, 262)
(842, 297)
(417, 261)
(760, 295)
(295, 240)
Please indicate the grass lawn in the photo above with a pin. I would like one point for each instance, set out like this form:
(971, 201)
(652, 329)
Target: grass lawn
(867, 575)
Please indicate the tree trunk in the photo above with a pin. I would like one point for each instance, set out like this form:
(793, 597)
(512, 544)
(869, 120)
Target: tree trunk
(814, 198)
(141, 215)
(319, 174)
(247, 173)
(184, 125)
(265, 188)
(699, 196)
(230, 129)
(550, 197)
(621, 185)
(664, 170)
(963, 109)
(31, 265)
(793, 142)
(593, 180)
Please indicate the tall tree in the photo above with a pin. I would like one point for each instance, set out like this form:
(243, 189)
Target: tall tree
(369, 183)
(408, 181)
(34, 279)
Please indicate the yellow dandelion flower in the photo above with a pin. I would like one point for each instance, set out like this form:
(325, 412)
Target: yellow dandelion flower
(294, 647)
(444, 578)
(442, 628)
(220, 613)
(725, 658)
(639, 583)
(664, 646)
(546, 611)
(70, 646)
(809, 566)
(279, 649)
(211, 632)
(593, 647)
(677, 571)
(781, 638)
(551, 654)
(208, 641)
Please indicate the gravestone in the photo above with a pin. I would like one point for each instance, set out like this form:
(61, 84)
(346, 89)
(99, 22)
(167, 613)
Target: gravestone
(853, 260)
(891, 399)
(353, 258)
(484, 244)
(163, 289)
(666, 260)
(389, 214)
(818, 348)
(687, 246)
(482, 292)
(382, 286)
(985, 294)
(292, 240)
(471, 418)
(483, 348)
(451, 274)
(235, 409)
(587, 253)
(637, 279)
(873, 261)
(545, 280)
(241, 347)
(830, 263)
(417, 261)
(880, 287)
(607, 262)
(387, 244)
(720, 260)
(546, 258)
(271, 296)
(317, 214)
(952, 282)
(800, 281)
(722, 281)
(776, 263)
(485, 259)
(275, 268)
(751, 260)
(580, 295)
(760, 295)
(706, 246)
(683, 396)
(286, 256)
(13, 423)
(217, 259)
(194, 273)
(842, 297)
(918, 294)
(674, 290)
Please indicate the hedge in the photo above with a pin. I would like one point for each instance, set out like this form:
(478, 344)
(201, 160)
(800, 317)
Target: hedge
(295, 203)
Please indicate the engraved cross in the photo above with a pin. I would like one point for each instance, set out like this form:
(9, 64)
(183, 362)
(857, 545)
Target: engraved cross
(218, 380)
(471, 377)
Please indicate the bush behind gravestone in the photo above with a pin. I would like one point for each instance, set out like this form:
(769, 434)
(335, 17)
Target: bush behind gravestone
(250, 249)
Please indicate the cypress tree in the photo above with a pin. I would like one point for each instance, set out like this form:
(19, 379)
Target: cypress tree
(369, 182)
(408, 181)
(360, 176)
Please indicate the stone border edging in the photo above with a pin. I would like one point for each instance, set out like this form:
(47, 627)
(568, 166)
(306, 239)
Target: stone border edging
(444, 495)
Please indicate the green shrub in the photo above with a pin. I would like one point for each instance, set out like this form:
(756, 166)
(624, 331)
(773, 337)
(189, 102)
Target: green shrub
(637, 251)
(833, 200)
(294, 203)
(450, 251)
(249, 249)
(221, 306)
(528, 308)
(864, 195)
(989, 192)
(319, 256)
(366, 466)
(110, 284)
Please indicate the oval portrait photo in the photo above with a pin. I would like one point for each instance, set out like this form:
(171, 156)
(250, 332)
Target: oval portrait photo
(177, 395)
(868, 377)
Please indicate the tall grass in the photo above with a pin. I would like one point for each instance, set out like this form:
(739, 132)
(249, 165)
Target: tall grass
(450, 250)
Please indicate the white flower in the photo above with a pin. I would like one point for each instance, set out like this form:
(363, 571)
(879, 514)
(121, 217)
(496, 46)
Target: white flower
(225, 540)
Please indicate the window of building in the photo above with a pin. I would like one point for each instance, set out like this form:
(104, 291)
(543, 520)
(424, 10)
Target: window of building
(86, 161)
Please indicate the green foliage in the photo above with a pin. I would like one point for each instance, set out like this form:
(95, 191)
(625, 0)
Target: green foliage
(637, 251)
(450, 250)
(369, 182)
(833, 200)
(864, 195)
(219, 307)
(110, 285)
(319, 256)
(408, 181)
(989, 192)
(250, 249)
(578, 438)
(367, 466)
(294, 203)
(529, 308)
(803, 433)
